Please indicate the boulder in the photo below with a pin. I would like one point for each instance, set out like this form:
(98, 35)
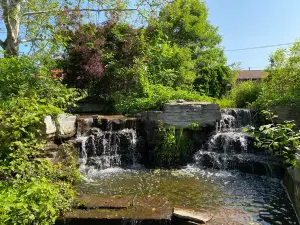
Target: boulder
(49, 128)
(66, 126)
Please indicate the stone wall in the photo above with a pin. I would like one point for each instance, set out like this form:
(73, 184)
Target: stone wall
(292, 184)
(181, 115)
(287, 113)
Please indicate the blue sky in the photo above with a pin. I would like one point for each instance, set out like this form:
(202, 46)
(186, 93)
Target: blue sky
(251, 23)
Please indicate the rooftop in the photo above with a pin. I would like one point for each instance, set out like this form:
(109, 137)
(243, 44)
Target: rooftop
(250, 74)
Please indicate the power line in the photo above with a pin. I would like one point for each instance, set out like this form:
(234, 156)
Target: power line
(259, 47)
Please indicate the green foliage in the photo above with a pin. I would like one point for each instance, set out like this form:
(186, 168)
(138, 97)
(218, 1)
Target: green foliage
(170, 65)
(35, 202)
(185, 23)
(38, 190)
(155, 97)
(281, 85)
(194, 126)
(26, 77)
(245, 93)
(214, 81)
(225, 103)
(281, 139)
(101, 59)
(171, 147)
(177, 55)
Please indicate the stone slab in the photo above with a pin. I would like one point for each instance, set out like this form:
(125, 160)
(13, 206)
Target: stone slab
(191, 215)
(49, 128)
(66, 126)
(292, 184)
(94, 202)
(181, 115)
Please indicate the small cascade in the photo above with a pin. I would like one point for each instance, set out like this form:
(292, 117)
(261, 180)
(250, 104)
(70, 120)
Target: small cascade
(232, 149)
(101, 149)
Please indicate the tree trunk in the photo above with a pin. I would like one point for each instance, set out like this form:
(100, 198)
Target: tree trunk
(11, 16)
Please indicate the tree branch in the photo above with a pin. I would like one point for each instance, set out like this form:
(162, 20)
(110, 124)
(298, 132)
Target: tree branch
(2, 44)
(31, 40)
(76, 10)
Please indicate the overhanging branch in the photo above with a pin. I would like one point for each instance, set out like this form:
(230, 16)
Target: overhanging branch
(77, 10)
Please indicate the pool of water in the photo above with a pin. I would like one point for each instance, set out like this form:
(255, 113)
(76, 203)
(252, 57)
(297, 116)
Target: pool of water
(261, 198)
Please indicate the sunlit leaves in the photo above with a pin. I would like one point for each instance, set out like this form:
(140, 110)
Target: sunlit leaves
(281, 139)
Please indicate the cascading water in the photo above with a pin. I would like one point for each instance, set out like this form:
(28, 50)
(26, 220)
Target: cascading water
(107, 149)
(100, 149)
(228, 148)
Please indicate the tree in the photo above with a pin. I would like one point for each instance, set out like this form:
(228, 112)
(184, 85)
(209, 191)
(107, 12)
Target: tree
(37, 21)
(185, 22)
(214, 81)
(102, 58)
(281, 84)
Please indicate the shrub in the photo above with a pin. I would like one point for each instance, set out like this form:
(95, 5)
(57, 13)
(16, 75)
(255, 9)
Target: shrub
(36, 202)
(281, 139)
(101, 58)
(155, 97)
(225, 102)
(245, 93)
(33, 191)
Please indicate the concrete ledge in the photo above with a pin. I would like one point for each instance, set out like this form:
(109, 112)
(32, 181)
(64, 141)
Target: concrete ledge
(181, 115)
(293, 188)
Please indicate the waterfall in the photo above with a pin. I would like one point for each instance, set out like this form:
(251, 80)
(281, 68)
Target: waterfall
(230, 148)
(101, 149)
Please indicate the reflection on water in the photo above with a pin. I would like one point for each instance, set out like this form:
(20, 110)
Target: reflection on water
(262, 198)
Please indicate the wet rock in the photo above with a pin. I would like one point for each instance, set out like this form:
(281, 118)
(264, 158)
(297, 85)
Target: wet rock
(66, 126)
(95, 131)
(180, 101)
(191, 215)
(84, 124)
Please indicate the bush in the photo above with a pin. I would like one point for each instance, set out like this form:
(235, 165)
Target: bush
(245, 93)
(155, 98)
(36, 202)
(281, 139)
(225, 103)
(33, 191)
(101, 59)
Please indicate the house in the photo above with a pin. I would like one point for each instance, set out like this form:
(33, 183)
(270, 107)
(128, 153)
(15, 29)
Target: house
(245, 75)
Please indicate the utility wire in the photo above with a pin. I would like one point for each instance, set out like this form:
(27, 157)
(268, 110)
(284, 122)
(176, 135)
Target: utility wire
(259, 47)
